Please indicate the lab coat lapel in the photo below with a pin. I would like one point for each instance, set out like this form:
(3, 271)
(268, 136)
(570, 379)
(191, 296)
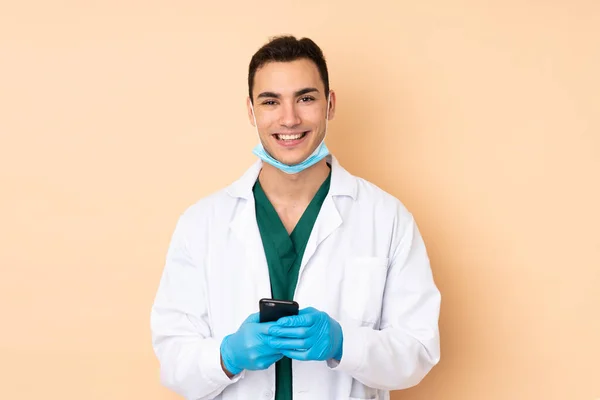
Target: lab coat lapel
(329, 219)
(245, 229)
(327, 222)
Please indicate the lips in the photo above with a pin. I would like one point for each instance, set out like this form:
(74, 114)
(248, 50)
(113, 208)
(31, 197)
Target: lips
(290, 141)
(290, 136)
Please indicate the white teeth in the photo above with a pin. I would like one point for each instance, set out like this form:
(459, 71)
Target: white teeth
(290, 137)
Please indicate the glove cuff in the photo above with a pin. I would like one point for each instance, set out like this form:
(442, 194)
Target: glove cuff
(340, 343)
(226, 357)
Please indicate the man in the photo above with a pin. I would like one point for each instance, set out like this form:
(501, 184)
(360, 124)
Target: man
(295, 226)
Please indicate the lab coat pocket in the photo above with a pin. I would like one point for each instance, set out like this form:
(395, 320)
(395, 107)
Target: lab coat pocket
(363, 287)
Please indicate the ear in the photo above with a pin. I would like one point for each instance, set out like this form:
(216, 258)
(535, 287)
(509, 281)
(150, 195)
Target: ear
(332, 102)
(250, 115)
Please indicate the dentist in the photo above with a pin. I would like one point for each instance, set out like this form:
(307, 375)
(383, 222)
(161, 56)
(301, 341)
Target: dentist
(295, 226)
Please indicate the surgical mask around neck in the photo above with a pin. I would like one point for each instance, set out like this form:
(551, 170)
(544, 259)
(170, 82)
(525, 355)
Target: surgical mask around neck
(320, 152)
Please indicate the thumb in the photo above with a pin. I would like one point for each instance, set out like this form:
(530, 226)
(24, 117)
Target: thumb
(308, 310)
(302, 319)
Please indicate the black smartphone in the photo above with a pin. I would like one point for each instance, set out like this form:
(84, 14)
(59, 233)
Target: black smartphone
(271, 309)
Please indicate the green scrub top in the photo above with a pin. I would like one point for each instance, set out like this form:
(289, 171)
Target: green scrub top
(284, 255)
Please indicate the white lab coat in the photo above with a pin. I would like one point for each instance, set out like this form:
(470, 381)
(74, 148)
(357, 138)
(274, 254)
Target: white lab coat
(365, 264)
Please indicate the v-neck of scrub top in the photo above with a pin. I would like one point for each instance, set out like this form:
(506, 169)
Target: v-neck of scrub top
(284, 251)
(284, 254)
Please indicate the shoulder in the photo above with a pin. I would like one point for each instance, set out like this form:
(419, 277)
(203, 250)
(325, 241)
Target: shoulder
(391, 217)
(213, 205)
(223, 202)
(370, 195)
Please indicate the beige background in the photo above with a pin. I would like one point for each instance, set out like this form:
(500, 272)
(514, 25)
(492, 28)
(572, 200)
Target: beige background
(483, 117)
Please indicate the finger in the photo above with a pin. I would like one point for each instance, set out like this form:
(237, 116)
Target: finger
(266, 361)
(262, 328)
(307, 318)
(300, 332)
(300, 355)
(266, 349)
(290, 344)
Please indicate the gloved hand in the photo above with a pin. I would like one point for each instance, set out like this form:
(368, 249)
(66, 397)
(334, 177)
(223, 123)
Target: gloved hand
(311, 335)
(247, 348)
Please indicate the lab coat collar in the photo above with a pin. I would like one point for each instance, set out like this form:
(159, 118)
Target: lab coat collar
(342, 182)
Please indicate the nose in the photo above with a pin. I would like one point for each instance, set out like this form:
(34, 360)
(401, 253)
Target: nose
(289, 115)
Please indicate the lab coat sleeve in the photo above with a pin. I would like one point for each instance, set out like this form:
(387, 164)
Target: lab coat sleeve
(189, 358)
(406, 346)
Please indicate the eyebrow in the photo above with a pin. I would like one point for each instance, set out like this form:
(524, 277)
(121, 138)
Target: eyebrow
(296, 94)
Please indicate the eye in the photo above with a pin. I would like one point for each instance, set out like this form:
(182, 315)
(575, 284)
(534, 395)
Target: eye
(307, 99)
(269, 102)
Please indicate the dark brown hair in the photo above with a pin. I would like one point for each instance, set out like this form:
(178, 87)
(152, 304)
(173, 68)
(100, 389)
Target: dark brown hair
(286, 49)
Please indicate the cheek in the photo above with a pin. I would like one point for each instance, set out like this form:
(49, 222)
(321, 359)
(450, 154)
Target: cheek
(313, 117)
(266, 122)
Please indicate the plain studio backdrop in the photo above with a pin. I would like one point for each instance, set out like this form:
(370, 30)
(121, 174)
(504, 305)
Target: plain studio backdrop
(482, 117)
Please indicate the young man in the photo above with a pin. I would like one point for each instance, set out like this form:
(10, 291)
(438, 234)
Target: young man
(295, 226)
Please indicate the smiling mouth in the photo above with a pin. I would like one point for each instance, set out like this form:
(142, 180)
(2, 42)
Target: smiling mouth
(286, 137)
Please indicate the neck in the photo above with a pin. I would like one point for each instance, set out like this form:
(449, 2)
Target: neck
(285, 188)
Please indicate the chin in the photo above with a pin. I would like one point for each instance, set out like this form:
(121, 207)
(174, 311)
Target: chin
(289, 157)
(291, 160)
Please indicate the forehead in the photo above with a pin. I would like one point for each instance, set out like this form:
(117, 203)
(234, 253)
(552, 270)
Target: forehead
(287, 77)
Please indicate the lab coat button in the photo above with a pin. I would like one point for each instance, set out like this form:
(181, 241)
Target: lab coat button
(268, 394)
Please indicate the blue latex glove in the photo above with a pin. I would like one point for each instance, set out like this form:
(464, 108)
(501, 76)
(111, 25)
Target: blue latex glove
(312, 335)
(247, 348)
